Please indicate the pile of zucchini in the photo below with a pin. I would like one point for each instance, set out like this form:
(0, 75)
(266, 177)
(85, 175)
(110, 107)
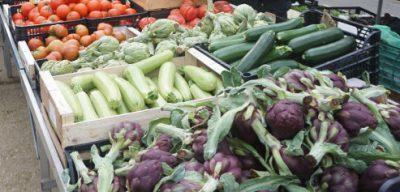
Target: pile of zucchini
(152, 82)
(285, 44)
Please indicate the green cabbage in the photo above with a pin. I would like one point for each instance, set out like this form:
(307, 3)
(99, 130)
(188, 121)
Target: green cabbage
(58, 67)
(207, 25)
(162, 28)
(134, 52)
(166, 45)
(245, 12)
(227, 23)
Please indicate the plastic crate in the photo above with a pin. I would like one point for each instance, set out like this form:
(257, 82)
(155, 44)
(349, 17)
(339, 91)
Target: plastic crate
(365, 58)
(389, 67)
(365, 16)
(14, 2)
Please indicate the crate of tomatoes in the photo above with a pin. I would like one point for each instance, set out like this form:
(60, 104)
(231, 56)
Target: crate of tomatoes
(29, 20)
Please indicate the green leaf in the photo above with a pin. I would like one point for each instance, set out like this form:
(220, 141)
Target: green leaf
(351, 163)
(294, 145)
(229, 183)
(369, 153)
(267, 183)
(281, 72)
(171, 175)
(295, 188)
(314, 181)
(237, 143)
(232, 78)
(150, 134)
(176, 117)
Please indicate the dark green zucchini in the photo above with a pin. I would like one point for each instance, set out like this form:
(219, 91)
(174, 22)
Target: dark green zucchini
(254, 33)
(316, 39)
(286, 36)
(330, 51)
(264, 45)
(226, 43)
(233, 37)
(274, 66)
(278, 53)
(234, 52)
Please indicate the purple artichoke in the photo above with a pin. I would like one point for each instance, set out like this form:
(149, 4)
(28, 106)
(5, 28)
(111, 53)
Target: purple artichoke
(118, 185)
(159, 155)
(199, 139)
(338, 81)
(336, 134)
(201, 116)
(194, 166)
(133, 132)
(355, 116)
(285, 119)
(242, 126)
(339, 178)
(90, 187)
(164, 143)
(184, 186)
(298, 165)
(145, 175)
(298, 80)
(222, 163)
(393, 121)
(375, 175)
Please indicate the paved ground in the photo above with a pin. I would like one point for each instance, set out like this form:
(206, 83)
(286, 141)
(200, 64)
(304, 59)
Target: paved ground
(389, 6)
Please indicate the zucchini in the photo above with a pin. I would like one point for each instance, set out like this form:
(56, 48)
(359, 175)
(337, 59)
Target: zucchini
(221, 44)
(233, 53)
(274, 66)
(207, 81)
(316, 39)
(183, 87)
(108, 88)
(198, 93)
(220, 87)
(130, 96)
(330, 51)
(136, 77)
(166, 77)
(230, 38)
(178, 95)
(152, 63)
(286, 36)
(236, 63)
(264, 45)
(87, 108)
(100, 104)
(160, 100)
(71, 99)
(277, 53)
(122, 109)
(82, 82)
(254, 33)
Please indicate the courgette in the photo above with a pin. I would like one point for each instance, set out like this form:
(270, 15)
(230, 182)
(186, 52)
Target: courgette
(198, 93)
(122, 109)
(277, 53)
(233, 53)
(178, 95)
(71, 99)
(219, 88)
(183, 87)
(264, 45)
(286, 36)
(254, 33)
(152, 63)
(274, 66)
(330, 51)
(221, 44)
(87, 108)
(108, 88)
(100, 104)
(136, 77)
(166, 78)
(130, 95)
(230, 38)
(160, 100)
(316, 39)
(82, 82)
(207, 81)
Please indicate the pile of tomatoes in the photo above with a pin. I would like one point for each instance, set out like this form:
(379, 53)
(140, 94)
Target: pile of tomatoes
(62, 45)
(49, 11)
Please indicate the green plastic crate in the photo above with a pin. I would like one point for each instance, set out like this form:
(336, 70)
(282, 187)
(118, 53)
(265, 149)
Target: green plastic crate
(389, 65)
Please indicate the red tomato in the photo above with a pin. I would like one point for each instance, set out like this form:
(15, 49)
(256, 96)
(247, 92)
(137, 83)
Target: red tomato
(114, 12)
(72, 5)
(105, 5)
(95, 15)
(43, 3)
(120, 7)
(73, 15)
(53, 18)
(178, 18)
(202, 11)
(130, 11)
(39, 20)
(62, 11)
(104, 14)
(19, 22)
(93, 5)
(55, 3)
(46, 11)
(27, 23)
(175, 11)
(26, 8)
(17, 16)
(145, 21)
(81, 9)
(189, 12)
(33, 14)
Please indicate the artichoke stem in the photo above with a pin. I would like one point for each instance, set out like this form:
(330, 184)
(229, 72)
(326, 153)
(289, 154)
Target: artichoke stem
(183, 135)
(316, 153)
(210, 185)
(81, 168)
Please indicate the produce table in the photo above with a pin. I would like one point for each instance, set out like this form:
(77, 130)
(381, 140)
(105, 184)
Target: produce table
(50, 164)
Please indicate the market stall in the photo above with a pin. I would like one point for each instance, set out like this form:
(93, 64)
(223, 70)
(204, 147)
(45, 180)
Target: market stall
(179, 116)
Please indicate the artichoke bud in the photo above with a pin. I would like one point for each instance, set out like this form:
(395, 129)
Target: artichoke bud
(184, 154)
(200, 116)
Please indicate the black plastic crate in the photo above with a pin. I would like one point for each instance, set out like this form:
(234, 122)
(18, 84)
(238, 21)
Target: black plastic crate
(364, 16)
(14, 2)
(365, 58)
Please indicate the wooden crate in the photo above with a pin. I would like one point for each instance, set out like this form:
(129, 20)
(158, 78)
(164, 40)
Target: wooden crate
(61, 116)
(30, 63)
(151, 5)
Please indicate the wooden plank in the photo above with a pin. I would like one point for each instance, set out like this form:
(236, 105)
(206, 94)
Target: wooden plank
(27, 58)
(151, 5)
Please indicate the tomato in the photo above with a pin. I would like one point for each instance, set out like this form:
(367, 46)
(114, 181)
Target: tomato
(26, 8)
(72, 5)
(81, 9)
(43, 3)
(194, 22)
(98, 34)
(19, 22)
(17, 16)
(188, 12)
(49, 39)
(86, 40)
(53, 18)
(46, 28)
(105, 5)
(84, 1)
(178, 18)
(120, 7)
(55, 3)
(33, 14)
(130, 11)
(202, 11)
(119, 35)
(62, 11)
(58, 30)
(175, 11)
(54, 55)
(73, 15)
(104, 14)
(46, 11)
(81, 30)
(70, 52)
(73, 36)
(227, 9)
(102, 26)
(39, 19)
(40, 53)
(72, 42)
(145, 21)
(55, 45)
(95, 15)
(27, 23)
(116, 2)
(125, 23)
(114, 12)
(34, 43)
(93, 5)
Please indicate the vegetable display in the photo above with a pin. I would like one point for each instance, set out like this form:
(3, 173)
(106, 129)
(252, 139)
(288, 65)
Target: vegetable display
(102, 94)
(304, 130)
